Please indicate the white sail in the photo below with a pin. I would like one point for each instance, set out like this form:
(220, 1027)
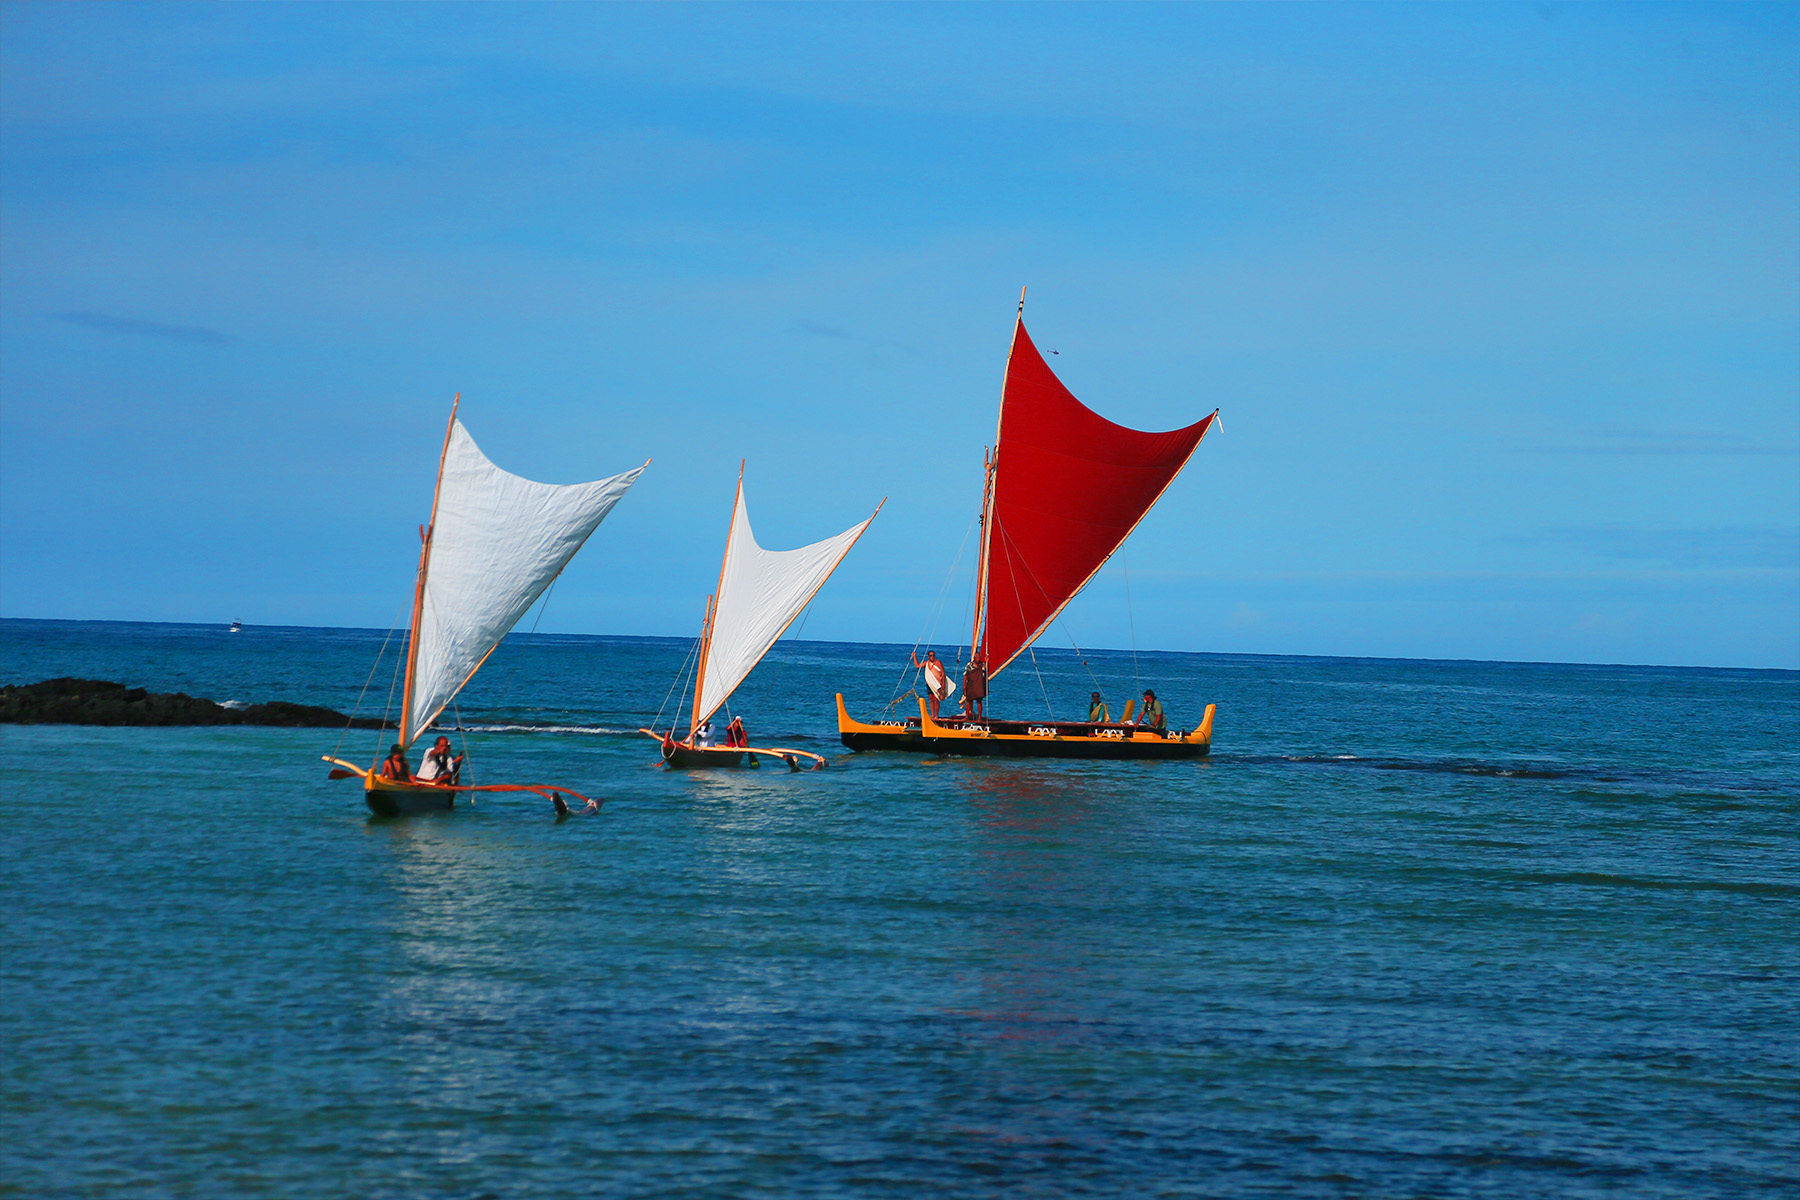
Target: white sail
(498, 542)
(760, 594)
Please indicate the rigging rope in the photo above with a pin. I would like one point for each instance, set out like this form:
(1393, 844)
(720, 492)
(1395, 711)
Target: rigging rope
(465, 744)
(680, 681)
(930, 630)
(373, 667)
(782, 666)
(399, 665)
(1032, 650)
(1124, 569)
(512, 676)
(1081, 656)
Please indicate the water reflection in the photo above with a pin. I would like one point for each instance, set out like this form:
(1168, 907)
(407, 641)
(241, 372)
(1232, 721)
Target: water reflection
(1042, 839)
(463, 927)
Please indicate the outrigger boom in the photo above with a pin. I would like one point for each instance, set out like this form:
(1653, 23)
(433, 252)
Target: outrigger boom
(392, 797)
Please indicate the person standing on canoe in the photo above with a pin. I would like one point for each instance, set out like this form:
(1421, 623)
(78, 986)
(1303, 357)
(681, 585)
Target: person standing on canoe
(937, 680)
(974, 688)
(1151, 716)
(1097, 710)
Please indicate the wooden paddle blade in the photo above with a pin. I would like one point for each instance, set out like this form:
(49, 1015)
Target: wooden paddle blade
(340, 773)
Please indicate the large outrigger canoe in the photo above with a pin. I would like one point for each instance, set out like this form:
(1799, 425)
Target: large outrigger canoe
(1064, 487)
(494, 544)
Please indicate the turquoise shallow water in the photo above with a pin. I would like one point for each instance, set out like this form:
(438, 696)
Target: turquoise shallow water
(1416, 929)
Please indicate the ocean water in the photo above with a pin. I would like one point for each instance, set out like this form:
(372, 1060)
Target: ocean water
(1415, 929)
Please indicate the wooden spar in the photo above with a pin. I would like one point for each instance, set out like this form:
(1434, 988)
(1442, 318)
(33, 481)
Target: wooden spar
(991, 464)
(981, 564)
(712, 605)
(412, 641)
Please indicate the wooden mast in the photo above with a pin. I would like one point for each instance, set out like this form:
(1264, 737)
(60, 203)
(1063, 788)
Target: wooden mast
(990, 464)
(712, 605)
(425, 532)
(987, 495)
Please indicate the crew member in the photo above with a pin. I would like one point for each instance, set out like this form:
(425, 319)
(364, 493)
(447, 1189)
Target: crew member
(974, 688)
(394, 766)
(1097, 712)
(736, 734)
(937, 680)
(439, 766)
(1151, 716)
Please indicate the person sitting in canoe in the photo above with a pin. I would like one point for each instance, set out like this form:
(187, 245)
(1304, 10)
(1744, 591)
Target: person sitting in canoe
(735, 733)
(703, 737)
(1151, 716)
(937, 680)
(439, 766)
(1097, 710)
(394, 766)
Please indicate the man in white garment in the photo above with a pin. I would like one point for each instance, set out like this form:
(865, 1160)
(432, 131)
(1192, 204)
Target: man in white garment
(439, 766)
(937, 681)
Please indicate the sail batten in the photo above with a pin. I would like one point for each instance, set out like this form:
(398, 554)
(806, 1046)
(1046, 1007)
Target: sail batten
(1068, 488)
(760, 594)
(497, 543)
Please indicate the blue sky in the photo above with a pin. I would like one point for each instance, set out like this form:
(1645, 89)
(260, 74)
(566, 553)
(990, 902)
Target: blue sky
(1501, 306)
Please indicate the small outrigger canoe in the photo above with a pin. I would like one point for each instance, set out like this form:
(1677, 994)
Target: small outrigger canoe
(495, 542)
(760, 593)
(684, 757)
(399, 798)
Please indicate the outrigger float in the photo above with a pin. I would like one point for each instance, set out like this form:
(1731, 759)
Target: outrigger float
(760, 593)
(1064, 487)
(494, 544)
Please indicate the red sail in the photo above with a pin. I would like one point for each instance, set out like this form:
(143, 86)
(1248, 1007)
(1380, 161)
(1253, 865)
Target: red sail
(1069, 487)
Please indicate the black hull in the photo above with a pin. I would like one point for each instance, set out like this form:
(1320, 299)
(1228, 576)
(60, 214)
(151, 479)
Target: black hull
(407, 804)
(690, 758)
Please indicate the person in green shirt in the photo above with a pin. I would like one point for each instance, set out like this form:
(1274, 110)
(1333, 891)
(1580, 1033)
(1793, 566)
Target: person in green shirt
(1151, 715)
(1097, 712)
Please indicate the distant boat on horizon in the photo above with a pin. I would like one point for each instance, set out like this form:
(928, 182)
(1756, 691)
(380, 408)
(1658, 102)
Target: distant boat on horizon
(236, 627)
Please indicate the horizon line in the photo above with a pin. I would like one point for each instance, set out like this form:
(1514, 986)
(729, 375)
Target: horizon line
(1051, 650)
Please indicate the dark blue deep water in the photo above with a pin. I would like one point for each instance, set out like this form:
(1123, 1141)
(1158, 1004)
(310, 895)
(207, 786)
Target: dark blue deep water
(1415, 929)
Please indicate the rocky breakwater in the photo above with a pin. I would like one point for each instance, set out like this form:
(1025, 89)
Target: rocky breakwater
(98, 702)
